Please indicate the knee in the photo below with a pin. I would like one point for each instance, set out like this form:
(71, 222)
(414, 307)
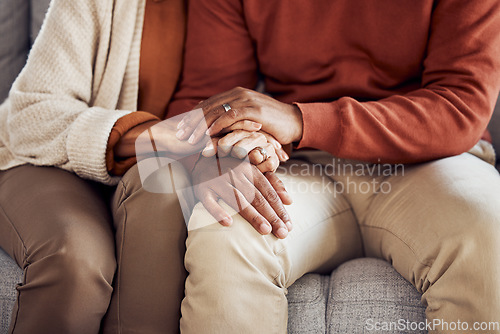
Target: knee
(82, 261)
(215, 249)
(472, 239)
(147, 176)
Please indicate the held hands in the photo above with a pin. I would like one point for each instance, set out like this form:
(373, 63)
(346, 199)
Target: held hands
(222, 112)
(242, 122)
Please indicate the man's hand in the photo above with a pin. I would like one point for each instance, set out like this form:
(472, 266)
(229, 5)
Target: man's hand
(257, 197)
(282, 121)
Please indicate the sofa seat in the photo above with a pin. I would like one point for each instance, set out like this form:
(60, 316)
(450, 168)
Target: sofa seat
(357, 294)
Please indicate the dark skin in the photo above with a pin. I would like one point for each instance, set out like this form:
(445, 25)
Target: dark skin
(281, 121)
(237, 140)
(258, 197)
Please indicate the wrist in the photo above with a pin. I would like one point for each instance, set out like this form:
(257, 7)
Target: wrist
(125, 147)
(299, 124)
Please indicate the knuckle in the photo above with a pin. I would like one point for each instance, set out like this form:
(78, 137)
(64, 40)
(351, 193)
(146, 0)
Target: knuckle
(282, 213)
(271, 195)
(259, 201)
(233, 113)
(255, 220)
(275, 221)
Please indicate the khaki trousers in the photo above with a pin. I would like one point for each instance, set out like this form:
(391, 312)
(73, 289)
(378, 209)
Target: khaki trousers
(59, 229)
(437, 223)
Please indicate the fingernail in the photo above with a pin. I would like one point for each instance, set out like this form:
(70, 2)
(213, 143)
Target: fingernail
(265, 228)
(289, 226)
(191, 139)
(208, 151)
(277, 144)
(285, 156)
(227, 221)
(209, 131)
(181, 123)
(282, 232)
(256, 125)
(180, 134)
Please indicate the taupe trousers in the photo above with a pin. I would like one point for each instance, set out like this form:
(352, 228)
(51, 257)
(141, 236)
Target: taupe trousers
(438, 224)
(59, 229)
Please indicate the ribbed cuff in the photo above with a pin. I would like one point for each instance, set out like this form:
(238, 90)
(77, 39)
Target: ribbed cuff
(87, 143)
(122, 126)
(322, 127)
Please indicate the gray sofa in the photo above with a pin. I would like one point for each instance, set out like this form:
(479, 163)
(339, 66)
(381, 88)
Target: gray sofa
(357, 293)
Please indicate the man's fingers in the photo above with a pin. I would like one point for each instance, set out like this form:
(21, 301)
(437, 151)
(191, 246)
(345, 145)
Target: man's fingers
(279, 187)
(212, 205)
(271, 196)
(240, 110)
(237, 198)
(195, 117)
(243, 125)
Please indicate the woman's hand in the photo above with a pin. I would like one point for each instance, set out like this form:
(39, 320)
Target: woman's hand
(263, 150)
(282, 121)
(257, 197)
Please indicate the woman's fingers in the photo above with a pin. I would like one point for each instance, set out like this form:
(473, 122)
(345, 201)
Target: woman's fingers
(243, 147)
(280, 152)
(271, 163)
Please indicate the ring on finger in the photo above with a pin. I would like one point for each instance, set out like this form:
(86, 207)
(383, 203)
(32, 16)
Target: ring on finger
(226, 107)
(263, 152)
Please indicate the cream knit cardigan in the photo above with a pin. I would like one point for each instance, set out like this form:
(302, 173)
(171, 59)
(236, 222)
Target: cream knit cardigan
(81, 76)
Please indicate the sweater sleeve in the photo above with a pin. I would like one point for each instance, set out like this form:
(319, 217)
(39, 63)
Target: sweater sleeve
(460, 82)
(51, 120)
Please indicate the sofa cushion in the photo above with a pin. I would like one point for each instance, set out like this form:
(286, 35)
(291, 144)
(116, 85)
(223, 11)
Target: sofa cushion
(14, 41)
(10, 276)
(307, 299)
(367, 291)
(38, 11)
(494, 128)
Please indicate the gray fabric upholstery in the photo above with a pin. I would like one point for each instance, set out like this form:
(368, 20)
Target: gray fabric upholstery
(366, 291)
(20, 21)
(494, 128)
(10, 276)
(307, 300)
(357, 291)
(38, 11)
(14, 41)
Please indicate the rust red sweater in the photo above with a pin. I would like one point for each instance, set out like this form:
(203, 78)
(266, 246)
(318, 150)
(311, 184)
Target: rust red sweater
(395, 80)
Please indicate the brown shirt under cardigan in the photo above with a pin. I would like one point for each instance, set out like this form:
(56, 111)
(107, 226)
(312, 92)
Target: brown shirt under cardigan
(160, 67)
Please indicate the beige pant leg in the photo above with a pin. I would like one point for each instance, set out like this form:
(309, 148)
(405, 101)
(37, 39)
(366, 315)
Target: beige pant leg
(439, 226)
(238, 278)
(150, 246)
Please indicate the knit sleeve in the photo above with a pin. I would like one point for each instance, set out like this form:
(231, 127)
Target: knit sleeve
(53, 120)
(460, 82)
